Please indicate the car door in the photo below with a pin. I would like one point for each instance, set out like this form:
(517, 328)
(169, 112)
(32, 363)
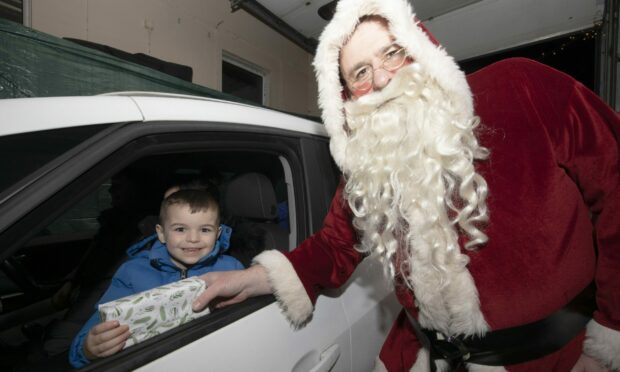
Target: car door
(371, 307)
(253, 335)
(368, 297)
(323, 344)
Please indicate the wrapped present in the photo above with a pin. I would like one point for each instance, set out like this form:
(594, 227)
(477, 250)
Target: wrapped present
(155, 311)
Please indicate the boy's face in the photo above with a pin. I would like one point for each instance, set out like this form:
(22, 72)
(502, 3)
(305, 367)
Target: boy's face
(188, 236)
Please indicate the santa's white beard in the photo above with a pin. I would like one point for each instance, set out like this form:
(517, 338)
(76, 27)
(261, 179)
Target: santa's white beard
(410, 182)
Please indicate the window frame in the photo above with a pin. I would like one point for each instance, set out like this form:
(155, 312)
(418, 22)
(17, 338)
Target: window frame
(26, 12)
(82, 171)
(26, 186)
(249, 67)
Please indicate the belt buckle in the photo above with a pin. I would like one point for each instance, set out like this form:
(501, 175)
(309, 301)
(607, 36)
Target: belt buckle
(451, 349)
(464, 352)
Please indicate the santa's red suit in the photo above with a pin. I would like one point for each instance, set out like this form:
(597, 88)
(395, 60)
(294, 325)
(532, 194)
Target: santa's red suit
(554, 199)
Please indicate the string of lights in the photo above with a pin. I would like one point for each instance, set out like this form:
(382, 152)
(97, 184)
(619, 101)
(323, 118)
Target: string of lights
(581, 36)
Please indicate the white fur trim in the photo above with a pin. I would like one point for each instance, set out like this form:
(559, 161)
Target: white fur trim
(379, 366)
(287, 286)
(407, 33)
(603, 344)
(481, 368)
(422, 363)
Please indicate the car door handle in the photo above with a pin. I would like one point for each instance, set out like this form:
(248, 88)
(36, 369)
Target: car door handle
(328, 359)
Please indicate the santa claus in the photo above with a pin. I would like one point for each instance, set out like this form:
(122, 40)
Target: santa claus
(482, 195)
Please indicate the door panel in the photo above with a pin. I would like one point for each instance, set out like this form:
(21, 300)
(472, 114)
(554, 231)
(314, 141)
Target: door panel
(265, 341)
(371, 308)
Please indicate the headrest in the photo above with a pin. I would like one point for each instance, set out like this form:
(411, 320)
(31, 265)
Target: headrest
(251, 195)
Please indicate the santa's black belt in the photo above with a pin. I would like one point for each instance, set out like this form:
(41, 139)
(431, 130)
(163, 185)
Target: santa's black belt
(511, 345)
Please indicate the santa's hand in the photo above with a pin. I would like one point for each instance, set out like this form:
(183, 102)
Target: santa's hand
(588, 364)
(232, 286)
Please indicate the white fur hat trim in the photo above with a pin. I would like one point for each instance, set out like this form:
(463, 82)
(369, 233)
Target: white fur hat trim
(407, 33)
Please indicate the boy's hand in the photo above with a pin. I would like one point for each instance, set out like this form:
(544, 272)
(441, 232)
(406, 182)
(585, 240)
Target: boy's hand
(105, 339)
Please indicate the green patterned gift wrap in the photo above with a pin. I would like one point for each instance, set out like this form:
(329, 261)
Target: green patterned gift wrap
(155, 311)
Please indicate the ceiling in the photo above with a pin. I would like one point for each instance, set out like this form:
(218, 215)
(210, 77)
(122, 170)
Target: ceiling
(466, 28)
(302, 15)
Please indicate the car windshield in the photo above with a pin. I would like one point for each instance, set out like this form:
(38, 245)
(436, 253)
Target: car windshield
(22, 154)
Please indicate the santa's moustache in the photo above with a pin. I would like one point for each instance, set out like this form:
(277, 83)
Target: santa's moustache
(411, 182)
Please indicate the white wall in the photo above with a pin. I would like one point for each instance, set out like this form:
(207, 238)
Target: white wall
(195, 32)
(189, 32)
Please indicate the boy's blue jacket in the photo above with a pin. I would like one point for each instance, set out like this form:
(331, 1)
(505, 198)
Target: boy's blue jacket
(148, 269)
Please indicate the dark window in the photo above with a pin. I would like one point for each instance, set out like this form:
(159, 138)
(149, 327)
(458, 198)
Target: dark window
(242, 83)
(23, 154)
(12, 10)
(574, 54)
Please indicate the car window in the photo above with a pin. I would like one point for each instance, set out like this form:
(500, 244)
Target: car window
(24, 153)
(64, 268)
(83, 217)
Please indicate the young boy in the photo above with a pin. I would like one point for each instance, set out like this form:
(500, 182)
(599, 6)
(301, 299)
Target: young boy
(188, 246)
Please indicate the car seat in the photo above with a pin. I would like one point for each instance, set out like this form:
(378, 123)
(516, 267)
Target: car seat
(250, 207)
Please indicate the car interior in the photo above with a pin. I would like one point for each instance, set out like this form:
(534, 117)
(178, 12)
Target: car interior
(49, 287)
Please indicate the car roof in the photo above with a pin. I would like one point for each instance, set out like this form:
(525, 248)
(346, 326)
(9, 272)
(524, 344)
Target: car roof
(21, 115)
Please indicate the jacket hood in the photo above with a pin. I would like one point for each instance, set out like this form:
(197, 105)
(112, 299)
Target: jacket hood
(408, 33)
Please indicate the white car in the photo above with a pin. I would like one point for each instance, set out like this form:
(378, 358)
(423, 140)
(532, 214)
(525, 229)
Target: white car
(81, 177)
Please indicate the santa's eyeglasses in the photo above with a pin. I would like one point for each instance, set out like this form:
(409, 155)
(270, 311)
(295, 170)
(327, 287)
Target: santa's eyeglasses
(362, 79)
